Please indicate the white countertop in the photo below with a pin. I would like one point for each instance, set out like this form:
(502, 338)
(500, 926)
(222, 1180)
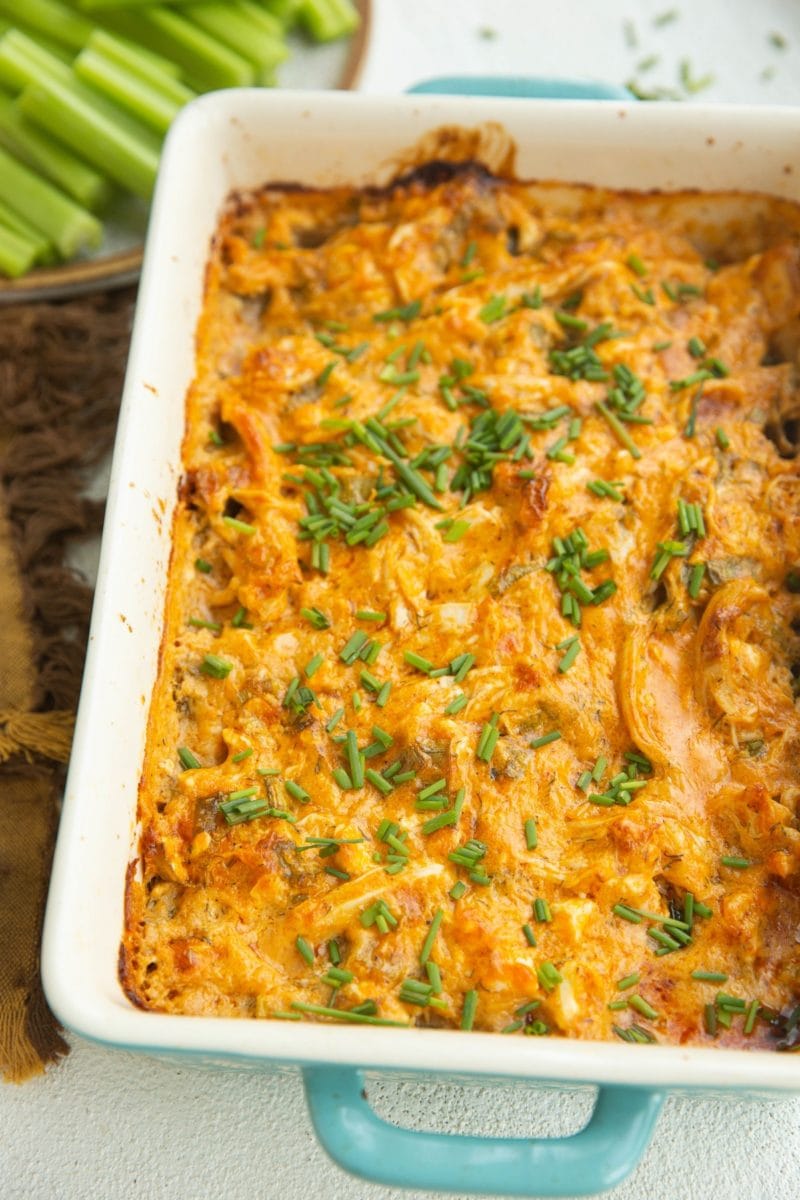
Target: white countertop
(107, 1125)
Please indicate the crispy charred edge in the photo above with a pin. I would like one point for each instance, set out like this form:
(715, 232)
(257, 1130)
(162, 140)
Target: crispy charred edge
(426, 176)
(126, 964)
(437, 171)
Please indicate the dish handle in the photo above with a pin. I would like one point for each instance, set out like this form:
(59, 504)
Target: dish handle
(537, 87)
(598, 1157)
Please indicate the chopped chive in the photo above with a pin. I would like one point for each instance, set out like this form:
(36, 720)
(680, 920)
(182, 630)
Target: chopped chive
(349, 652)
(238, 619)
(440, 821)
(344, 1014)
(434, 977)
(702, 910)
(406, 312)
(567, 321)
(469, 1009)
(636, 265)
(427, 945)
(541, 910)
(334, 721)
(644, 294)
(198, 623)
(326, 373)
(733, 860)
(664, 939)
(342, 778)
(456, 531)
(710, 1018)
(296, 791)
(456, 705)
(337, 976)
(313, 665)
(239, 526)
(549, 976)
(217, 668)
(367, 614)
(315, 618)
(640, 1004)
(383, 694)
(458, 889)
(545, 739)
(531, 834)
(722, 438)
(203, 566)
(465, 665)
(627, 914)
(688, 909)
(710, 976)
(696, 579)
(242, 755)
(469, 254)
(750, 1019)
(493, 310)
(378, 781)
(354, 759)
(598, 771)
(573, 650)
(619, 429)
(305, 950)
(657, 346)
(628, 982)
(432, 789)
(189, 761)
(416, 660)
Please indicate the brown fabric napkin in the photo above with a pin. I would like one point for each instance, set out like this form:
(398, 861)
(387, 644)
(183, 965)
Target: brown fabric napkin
(61, 368)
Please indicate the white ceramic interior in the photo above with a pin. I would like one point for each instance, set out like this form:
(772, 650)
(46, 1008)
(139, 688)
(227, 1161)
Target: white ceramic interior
(243, 139)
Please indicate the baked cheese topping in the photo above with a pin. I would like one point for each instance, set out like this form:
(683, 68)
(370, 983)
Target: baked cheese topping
(476, 705)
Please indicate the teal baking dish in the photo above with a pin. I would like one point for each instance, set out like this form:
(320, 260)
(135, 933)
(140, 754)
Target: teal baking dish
(239, 140)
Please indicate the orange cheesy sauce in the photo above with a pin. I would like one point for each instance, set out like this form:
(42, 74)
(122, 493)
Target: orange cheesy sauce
(476, 705)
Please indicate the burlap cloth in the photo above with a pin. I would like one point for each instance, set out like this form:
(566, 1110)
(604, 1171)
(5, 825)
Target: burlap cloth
(61, 367)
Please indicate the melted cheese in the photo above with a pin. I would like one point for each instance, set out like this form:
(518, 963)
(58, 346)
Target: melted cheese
(490, 279)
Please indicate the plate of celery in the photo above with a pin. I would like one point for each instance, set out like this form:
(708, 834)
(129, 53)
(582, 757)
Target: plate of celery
(88, 90)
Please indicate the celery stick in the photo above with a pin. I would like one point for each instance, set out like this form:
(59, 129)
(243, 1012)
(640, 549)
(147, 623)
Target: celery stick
(130, 92)
(325, 20)
(17, 254)
(141, 63)
(55, 20)
(50, 159)
(205, 62)
(45, 250)
(284, 11)
(260, 15)
(232, 25)
(118, 145)
(99, 6)
(70, 227)
(22, 60)
(101, 119)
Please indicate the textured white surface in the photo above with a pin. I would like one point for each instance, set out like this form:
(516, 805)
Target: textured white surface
(108, 1125)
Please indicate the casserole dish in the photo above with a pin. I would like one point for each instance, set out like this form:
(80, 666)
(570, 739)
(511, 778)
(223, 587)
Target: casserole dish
(239, 140)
